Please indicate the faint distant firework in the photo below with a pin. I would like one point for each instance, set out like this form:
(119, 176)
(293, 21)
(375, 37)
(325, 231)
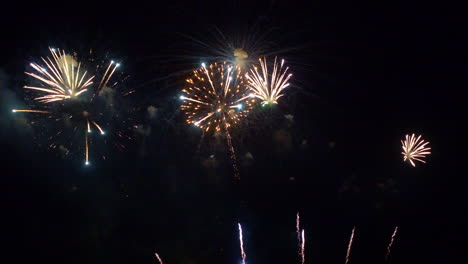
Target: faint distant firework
(392, 240)
(267, 85)
(348, 251)
(216, 99)
(414, 149)
(65, 95)
(241, 240)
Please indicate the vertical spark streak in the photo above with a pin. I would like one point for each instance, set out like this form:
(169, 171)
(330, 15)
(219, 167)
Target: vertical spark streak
(86, 149)
(233, 154)
(159, 259)
(241, 244)
(348, 252)
(303, 247)
(298, 233)
(389, 248)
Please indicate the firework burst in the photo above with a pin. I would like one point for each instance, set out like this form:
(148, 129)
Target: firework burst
(268, 87)
(216, 97)
(216, 100)
(414, 149)
(64, 91)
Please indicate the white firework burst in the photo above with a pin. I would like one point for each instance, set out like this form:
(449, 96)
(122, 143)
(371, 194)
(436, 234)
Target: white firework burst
(414, 149)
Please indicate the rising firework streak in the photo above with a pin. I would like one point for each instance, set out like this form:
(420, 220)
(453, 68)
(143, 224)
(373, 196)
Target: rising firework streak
(159, 259)
(303, 247)
(389, 248)
(241, 244)
(348, 252)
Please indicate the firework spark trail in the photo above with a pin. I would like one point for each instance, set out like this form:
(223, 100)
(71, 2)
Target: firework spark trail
(108, 76)
(389, 248)
(98, 127)
(86, 150)
(414, 149)
(30, 111)
(266, 87)
(232, 155)
(200, 142)
(348, 252)
(298, 231)
(159, 259)
(241, 244)
(303, 247)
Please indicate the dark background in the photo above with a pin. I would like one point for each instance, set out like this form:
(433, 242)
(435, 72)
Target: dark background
(364, 76)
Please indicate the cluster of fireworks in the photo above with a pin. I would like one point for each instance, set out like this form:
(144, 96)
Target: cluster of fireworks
(65, 91)
(219, 96)
(301, 242)
(216, 99)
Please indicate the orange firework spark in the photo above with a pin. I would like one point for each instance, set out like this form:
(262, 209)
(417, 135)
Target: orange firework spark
(414, 149)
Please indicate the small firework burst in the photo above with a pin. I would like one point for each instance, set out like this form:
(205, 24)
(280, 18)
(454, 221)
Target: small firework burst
(69, 105)
(216, 97)
(268, 87)
(414, 149)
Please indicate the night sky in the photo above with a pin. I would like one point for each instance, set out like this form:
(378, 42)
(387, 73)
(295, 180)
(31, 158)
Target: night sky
(364, 75)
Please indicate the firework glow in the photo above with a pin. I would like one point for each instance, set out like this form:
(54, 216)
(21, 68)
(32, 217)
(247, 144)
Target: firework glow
(60, 85)
(414, 149)
(241, 240)
(348, 251)
(268, 87)
(389, 248)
